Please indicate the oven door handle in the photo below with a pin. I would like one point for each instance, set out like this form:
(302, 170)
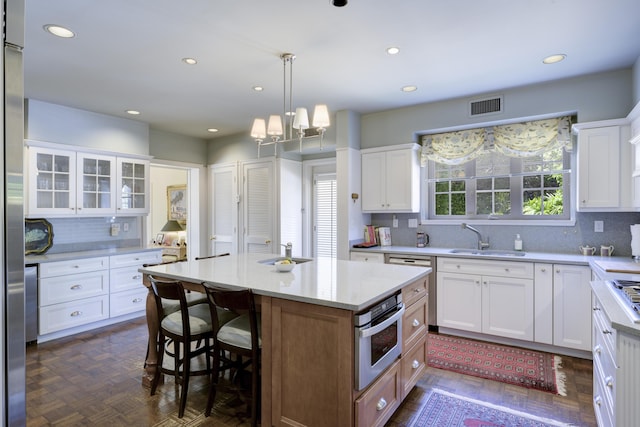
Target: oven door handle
(382, 326)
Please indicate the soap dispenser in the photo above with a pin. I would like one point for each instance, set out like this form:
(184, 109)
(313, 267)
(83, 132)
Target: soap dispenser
(517, 245)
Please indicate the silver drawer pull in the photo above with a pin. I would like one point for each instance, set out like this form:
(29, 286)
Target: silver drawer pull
(606, 331)
(415, 323)
(415, 364)
(381, 404)
(596, 308)
(75, 287)
(75, 313)
(597, 400)
(137, 276)
(597, 349)
(609, 382)
(417, 290)
(136, 300)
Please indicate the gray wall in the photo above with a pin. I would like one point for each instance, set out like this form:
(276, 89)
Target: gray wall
(172, 146)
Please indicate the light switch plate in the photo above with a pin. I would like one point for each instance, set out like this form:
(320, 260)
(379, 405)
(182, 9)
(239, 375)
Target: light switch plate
(598, 226)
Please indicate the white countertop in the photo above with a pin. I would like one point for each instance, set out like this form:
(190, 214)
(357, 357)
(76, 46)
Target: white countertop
(349, 285)
(611, 305)
(64, 256)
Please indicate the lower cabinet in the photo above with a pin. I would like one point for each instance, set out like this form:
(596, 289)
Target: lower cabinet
(486, 296)
(382, 398)
(66, 300)
(572, 306)
(77, 293)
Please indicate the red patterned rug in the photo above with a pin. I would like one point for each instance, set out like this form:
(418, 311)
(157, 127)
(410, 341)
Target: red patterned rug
(512, 365)
(447, 409)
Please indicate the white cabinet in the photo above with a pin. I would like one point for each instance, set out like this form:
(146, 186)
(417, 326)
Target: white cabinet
(616, 371)
(66, 182)
(486, 296)
(572, 306)
(72, 293)
(604, 166)
(127, 294)
(391, 179)
(132, 185)
(366, 257)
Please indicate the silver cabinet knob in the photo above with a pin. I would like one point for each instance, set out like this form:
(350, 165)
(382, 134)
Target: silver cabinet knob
(415, 364)
(381, 404)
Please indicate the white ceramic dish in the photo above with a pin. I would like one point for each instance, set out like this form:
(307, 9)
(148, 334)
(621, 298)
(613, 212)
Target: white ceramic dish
(284, 267)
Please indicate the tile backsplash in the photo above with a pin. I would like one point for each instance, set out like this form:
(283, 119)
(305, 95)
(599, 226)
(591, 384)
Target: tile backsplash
(535, 238)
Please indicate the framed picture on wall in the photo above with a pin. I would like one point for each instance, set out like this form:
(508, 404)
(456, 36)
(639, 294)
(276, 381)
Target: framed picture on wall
(177, 203)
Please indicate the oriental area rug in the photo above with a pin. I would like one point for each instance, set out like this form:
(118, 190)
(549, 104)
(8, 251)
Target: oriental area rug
(512, 365)
(447, 409)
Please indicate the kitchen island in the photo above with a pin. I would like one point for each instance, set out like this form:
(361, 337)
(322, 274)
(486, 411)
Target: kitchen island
(308, 335)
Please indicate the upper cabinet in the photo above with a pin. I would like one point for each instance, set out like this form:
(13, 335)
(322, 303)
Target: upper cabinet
(604, 172)
(64, 182)
(391, 179)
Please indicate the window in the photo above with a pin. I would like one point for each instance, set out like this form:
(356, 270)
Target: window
(325, 215)
(469, 177)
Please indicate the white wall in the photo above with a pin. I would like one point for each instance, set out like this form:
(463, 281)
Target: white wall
(161, 178)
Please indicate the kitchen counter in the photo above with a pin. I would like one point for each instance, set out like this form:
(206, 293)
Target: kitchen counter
(65, 256)
(548, 257)
(329, 282)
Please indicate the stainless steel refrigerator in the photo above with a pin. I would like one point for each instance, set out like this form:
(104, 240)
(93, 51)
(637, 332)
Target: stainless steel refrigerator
(12, 342)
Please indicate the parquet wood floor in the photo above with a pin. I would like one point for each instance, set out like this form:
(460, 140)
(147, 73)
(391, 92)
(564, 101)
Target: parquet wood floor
(94, 379)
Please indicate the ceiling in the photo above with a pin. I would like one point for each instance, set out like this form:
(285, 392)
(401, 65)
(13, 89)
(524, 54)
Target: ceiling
(127, 54)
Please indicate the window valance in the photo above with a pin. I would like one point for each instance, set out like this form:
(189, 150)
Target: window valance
(524, 139)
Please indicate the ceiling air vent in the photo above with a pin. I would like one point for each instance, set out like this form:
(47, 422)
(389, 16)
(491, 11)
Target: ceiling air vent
(485, 106)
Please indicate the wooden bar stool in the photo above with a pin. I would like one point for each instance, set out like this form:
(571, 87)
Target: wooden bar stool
(187, 325)
(239, 336)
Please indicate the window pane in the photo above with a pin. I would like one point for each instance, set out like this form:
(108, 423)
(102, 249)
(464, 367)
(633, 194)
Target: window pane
(502, 203)
(483, 184)
(531, 181)
(484, 204)
(458, 204)
(532, 203)
(457, 186)
(442, 204)
(502, 183)
(442, 186)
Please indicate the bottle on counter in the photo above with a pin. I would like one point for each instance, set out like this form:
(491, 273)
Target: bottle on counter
(517, 244)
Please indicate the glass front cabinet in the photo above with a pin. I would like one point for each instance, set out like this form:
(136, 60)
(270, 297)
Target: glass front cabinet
(68, 183)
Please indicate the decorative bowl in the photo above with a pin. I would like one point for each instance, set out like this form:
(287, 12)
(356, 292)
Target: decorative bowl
(284, 267)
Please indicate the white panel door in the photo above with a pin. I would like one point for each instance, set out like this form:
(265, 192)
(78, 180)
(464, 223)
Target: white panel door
(224, 209)
(459, 301)
(258, 208)
(572, 306)
(507, 307)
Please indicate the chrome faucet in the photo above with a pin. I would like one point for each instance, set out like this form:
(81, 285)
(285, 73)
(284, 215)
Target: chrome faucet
(287, 249)
(481, 245)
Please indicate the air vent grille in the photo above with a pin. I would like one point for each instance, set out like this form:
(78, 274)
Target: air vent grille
(485, 106)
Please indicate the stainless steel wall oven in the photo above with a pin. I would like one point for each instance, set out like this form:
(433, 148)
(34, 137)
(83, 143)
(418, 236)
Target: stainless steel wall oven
(378, 339)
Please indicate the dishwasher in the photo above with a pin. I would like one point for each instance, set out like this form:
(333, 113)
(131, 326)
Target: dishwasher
(420, 261)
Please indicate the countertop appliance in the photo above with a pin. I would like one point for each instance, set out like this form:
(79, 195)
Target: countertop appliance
(628, 294)
(12, 341)
(420, 261)
(378, 339)
(31, 303)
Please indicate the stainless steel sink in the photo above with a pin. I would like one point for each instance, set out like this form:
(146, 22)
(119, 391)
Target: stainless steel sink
(272, 261)
(487, 252)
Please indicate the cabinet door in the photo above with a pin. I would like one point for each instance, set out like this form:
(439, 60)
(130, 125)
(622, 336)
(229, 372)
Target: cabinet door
(374, 182)
(572, 306)
(400, 181)
(459, 301)
(507, 307)
(224, 209)
(543, 303)
(599, 168)
(52, 182)
(258, 209)
(132, 186)
(96, 184)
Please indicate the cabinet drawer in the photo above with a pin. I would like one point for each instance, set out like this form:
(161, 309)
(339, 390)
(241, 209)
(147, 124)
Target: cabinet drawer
(67, 315)
(486, 267)
(602, 409)
(413, 365)
(379, 402)
(123, 279)
(59, 268)
(367, 257)
(414, 291)
(136, 259)
(127, 302)
(54, 290)
(603, 333)
(414, 323)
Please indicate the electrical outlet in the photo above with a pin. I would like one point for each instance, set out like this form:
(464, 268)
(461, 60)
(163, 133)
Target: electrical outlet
(598, 226)
(395, 221)
(125, 227)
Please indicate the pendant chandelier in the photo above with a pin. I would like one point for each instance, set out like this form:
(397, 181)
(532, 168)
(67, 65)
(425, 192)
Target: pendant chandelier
(280, 129)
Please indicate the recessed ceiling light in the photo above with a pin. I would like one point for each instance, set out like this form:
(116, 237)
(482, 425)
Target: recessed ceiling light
(189, 61)
(258, 88)
(552, 59)
(59, 31)
(212, 130)
(133, 112)
(410, 88)
(393, 50)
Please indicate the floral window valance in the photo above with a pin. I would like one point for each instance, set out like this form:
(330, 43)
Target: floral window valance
(524, 139)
